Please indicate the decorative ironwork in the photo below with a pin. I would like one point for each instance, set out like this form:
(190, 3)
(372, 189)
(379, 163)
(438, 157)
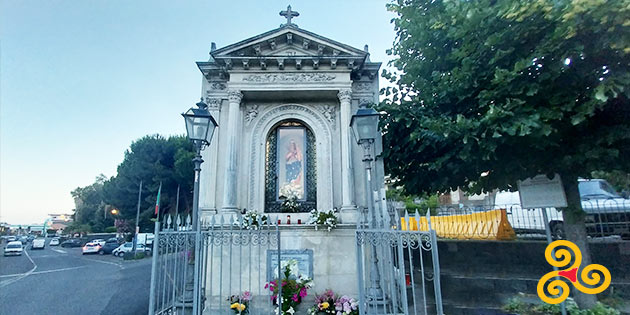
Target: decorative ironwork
(272, 204)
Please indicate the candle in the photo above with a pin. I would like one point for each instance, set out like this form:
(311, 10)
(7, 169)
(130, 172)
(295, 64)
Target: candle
(288, 219)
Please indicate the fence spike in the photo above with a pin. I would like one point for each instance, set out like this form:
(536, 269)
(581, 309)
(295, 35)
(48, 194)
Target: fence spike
(417, 217)
(429, 218)
(407, 223)
(188, 220)
(398, 224)
(212, 221)
(169, 222)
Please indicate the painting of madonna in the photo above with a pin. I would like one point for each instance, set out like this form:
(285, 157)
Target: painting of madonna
(291, 162)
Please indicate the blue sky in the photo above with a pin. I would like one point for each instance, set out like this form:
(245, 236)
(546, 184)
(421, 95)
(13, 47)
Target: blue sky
(80, 80)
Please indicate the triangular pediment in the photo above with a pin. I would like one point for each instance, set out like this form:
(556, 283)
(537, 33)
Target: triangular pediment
(288, 41)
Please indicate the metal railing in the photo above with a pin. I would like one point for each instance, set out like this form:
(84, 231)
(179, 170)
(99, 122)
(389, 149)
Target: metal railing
(398, 267)
(195, 272)
(509, 221)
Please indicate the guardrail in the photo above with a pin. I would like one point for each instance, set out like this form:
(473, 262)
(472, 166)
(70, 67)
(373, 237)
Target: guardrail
(504, 222)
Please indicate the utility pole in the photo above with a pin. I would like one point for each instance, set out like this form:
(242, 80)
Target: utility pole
(135, 238)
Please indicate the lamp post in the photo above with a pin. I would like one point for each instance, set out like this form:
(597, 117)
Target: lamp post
(364, 124)
(200, 126)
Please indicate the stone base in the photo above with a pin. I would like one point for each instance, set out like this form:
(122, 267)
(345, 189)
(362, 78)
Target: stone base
(348, 214)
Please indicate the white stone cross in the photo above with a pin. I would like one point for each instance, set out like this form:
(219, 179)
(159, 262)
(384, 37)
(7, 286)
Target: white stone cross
(289, 14)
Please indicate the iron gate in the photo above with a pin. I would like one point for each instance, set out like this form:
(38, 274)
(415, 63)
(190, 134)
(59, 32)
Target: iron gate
(399, 269)
(195, 272)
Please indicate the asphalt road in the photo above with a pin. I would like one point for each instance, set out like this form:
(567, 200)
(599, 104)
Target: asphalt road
(59, 280)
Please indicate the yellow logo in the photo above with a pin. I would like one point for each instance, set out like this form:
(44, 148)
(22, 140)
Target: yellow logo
(557, 289)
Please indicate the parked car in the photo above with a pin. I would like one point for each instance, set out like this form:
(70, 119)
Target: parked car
(606, 212)
(38, 243)
(128, 247)
(71, 243)
(109, 246)
(11, 239)
(13, 248)
(99, 241)
(54, 242)
(91, 248)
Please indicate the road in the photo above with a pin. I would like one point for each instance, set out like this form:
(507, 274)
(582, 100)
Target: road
(63, 281)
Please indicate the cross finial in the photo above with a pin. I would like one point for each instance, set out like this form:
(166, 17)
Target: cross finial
(289, 14)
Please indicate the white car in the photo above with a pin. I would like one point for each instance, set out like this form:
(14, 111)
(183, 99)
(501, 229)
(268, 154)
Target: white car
(99, 241)
(38, 243)
(91, 248)
(54, 242)
(128, 247)
(13, 248)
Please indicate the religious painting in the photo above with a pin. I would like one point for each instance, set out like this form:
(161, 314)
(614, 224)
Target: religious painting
(291, 157)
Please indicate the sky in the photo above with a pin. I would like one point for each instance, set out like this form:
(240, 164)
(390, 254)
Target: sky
(80, 80)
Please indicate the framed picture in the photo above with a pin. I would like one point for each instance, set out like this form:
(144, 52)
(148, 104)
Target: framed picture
(291, 162)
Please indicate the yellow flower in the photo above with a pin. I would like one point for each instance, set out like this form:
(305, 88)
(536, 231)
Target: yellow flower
(238, 306)
(324, 305)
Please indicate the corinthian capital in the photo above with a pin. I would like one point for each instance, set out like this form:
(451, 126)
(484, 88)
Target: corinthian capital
(235, 96)
(345, 95)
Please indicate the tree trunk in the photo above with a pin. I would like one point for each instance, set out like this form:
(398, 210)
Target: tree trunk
(575, 231)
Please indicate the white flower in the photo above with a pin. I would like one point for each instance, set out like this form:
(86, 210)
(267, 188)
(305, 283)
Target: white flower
(290, 310)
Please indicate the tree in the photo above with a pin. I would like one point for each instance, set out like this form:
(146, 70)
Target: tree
(510, 89)
(90, 208)
(152, 160)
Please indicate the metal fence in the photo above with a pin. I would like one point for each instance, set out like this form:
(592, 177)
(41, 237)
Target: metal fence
(604, 217)
(398, 267)
(195, 272)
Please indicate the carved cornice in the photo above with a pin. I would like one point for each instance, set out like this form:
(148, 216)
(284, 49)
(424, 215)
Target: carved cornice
(286, 77)
(344, 95)
(235, 96)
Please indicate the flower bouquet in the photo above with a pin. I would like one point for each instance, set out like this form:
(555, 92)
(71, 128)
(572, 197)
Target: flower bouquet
(252, 220)
(290, 204)
(240, 303)
(327, 219)
(329, 303)
(294, 287)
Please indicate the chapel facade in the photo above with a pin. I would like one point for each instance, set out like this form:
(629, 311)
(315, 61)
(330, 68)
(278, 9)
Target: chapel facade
(283, 101)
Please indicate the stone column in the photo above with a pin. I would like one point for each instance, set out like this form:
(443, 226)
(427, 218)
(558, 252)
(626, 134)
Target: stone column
(348, 207)
(207, 195)
(231, 157)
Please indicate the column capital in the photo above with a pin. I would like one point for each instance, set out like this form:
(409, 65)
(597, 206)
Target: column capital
(344, 95)
(235, 96)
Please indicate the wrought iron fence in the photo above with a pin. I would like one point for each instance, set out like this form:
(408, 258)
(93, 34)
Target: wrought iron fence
(399, 268)
(210, 269)
(604, 217)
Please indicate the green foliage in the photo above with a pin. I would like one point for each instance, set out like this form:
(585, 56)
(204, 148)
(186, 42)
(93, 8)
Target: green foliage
(517, 306)
(152, 159)
(517, 88)
(110, 229)
(425, 204)
(76, 227)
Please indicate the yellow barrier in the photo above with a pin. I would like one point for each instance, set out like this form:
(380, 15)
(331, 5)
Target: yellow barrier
(485, 225)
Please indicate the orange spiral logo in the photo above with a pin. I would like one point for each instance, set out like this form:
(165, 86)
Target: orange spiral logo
(557, 290)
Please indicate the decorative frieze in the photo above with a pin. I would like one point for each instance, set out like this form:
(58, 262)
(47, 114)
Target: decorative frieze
(289, 77)
(218, 86)
(213, 103)
(362, 86)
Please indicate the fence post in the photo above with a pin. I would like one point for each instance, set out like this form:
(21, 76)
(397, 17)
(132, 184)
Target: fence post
(279, 284)
(154, 259)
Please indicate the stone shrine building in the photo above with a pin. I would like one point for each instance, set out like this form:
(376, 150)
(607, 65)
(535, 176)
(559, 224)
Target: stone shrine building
(283, 101)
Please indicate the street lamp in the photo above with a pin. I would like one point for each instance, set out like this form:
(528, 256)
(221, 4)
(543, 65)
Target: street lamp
(114, 211)
(364, 126)
(200, 127)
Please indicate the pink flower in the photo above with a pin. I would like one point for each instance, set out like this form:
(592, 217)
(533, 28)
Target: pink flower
(302, 292)
(295, 297)
(247, 296)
